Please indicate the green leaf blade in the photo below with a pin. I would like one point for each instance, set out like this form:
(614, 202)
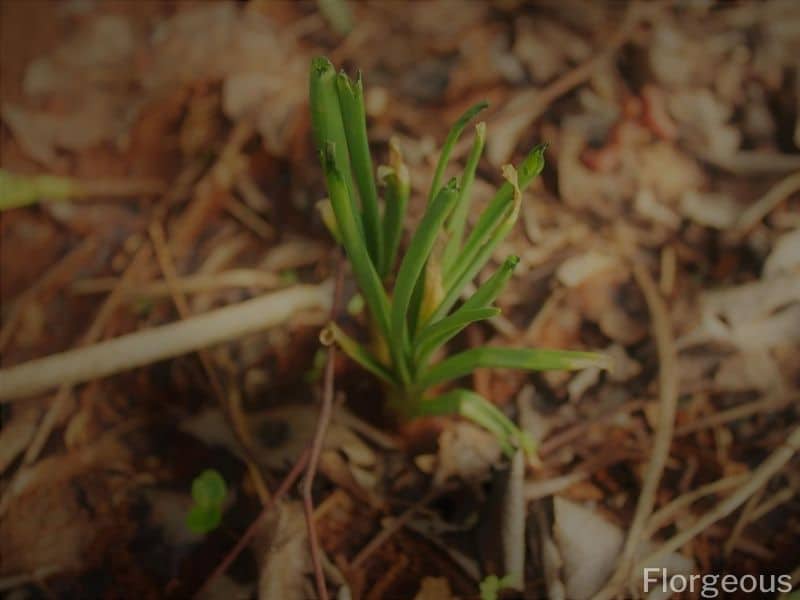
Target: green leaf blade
(358, 353)
(488, 292)
(398, 191)
(539, 359)
(326, 120)
(480, 411)
(440, 333)
(450, 142)
(413, 262)
(363, 268)
(493, 216)
(354, 117)
(457, 222)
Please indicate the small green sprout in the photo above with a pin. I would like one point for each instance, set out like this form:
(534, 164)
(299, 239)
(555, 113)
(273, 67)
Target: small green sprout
(208, 492)
(23, 190)
(492, 585)
(418, 315)
(288, 277)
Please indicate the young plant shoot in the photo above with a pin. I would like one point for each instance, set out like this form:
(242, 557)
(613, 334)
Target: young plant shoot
(419, 313)
(208, 492)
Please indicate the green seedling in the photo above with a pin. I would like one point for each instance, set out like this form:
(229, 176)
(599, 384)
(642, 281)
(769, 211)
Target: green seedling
(208, 492)
(413, 307)
(492, 585)
(23, 190)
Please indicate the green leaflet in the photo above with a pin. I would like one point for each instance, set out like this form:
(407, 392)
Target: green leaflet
(414, 261)
(357, 352)
(440, 333)
(539, 359)
(450, 141)
(353, 241)
(351, 102)
(480, 411)
(458, 220)
(398, 188)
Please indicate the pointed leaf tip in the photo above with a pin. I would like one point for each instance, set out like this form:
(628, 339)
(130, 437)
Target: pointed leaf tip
(321, 65)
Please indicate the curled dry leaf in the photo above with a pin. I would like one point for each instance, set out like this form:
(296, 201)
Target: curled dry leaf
(785, 256)
(609, 299)
(649, 207)
(286, 560)
(703, 122)
(224, 587)
(590, 545)
(279, 435)
(466, 452)
(577, 269)
(716, 210)
(623, 366)
(753, 317)
(668, 172)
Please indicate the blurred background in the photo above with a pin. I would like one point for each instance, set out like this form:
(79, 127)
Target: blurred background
(187, 180)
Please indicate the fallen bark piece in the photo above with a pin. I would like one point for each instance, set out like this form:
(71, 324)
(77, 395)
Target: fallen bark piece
(152, 345)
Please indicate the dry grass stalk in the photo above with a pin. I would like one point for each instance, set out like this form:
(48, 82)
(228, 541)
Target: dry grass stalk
(757, 479)
(167, 341)
(668, 402)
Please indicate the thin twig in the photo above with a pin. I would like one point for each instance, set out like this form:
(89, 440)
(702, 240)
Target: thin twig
(770, 403)
(190, 284)
(764, 205)
(317, 443)
(664, 515)
(250, 219)
(396, 524)
(772, 503)
(578, 430)
(772, 465)
(753, 512)
(668, 402)
(741, 522)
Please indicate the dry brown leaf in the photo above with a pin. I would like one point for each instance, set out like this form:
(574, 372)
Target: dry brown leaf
(590, 545)
(608, 299)
(67, 523)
